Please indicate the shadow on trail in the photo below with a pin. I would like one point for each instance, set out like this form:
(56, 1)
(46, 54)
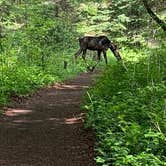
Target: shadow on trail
(47, 129)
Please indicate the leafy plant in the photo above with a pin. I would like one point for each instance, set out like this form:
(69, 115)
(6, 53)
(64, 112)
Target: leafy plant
(127, 111)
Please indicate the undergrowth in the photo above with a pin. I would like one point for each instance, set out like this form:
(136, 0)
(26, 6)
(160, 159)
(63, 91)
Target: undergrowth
(23, 80)
(33, 49)
(127, 110)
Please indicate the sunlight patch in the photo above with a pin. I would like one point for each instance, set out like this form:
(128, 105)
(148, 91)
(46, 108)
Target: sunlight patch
(59, 86)
(73, 120)
(16, 112)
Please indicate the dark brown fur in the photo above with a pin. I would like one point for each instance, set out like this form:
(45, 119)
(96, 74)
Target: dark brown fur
(99, 44)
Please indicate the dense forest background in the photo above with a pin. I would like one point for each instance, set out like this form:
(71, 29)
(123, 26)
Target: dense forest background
(127, 108)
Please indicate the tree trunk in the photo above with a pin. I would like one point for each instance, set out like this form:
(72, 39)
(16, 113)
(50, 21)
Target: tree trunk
(160, 22)
(1, 48)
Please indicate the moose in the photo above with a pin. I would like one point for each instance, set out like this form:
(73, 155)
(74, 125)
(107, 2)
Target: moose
(99, 44)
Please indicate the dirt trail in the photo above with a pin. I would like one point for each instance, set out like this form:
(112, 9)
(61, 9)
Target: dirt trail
(47, 129)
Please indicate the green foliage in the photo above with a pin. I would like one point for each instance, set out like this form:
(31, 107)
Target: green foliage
(127, 108)
(34, 46)
(125, 21)
(127, 111)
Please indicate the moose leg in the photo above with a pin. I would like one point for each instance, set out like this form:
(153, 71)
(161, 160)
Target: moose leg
(78, 53)
(84, 54)
(99, 55)
(99, 58)
(105, 56)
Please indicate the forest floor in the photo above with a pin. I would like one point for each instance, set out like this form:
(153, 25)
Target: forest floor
(47, 128)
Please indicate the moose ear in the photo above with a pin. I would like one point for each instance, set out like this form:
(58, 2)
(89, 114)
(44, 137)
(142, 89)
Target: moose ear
(116, 46)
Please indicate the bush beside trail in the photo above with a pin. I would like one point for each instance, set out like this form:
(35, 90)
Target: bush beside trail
(127, 111)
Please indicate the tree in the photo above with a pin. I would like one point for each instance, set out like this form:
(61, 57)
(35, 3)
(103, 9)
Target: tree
(160, 22)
